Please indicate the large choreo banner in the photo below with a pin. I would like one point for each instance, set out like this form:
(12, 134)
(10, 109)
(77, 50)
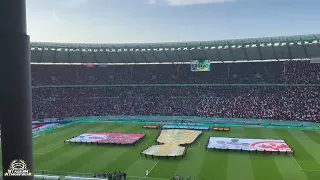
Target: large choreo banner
(248, 144)
(171, 141)
(104, 137)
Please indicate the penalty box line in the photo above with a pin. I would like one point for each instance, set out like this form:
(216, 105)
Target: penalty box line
(296, 162)
(301, 169)
(319, 134)
(152, 168)
(312, 170)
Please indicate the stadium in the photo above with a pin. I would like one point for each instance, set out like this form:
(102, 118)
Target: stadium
(229, 109)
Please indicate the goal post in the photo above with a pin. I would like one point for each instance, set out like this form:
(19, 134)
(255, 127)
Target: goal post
(38, 134)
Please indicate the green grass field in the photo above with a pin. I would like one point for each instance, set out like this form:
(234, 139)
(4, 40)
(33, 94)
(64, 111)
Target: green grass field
(54, 157)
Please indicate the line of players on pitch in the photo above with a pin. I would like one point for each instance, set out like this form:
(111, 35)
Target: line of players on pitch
(256, 151)
(117, 175)
(176, 177)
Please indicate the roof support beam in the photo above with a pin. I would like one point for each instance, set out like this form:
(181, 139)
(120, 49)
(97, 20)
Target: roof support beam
(304, 49)
(289, 49)
(153, 54)
(273, 50)
(134, 60)
(169, 59)
(259, 49)
(193, 58)
(178, 54)
(219, 55)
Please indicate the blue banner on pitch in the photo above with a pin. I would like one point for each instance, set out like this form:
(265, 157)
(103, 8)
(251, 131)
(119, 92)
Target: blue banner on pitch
(186, 127)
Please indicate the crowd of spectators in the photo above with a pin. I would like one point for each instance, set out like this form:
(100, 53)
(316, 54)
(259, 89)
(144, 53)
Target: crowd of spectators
(268, 72)
(290, 102)
(285, 103)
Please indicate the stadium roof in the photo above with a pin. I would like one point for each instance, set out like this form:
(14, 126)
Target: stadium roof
(268, 48)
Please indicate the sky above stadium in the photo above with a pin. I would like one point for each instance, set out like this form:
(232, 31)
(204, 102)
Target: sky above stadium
(138, 21)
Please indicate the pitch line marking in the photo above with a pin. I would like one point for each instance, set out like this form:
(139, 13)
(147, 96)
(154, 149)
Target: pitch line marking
(147, 143)
(300, 166)
(311, 170)
(198, 144)
(297, 163)
(152, 168)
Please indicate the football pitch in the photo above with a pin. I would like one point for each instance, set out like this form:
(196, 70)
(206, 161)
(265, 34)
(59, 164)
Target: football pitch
(53, 156)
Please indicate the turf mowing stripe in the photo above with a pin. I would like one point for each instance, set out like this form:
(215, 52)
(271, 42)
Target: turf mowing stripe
(289, 169)
(98, 157)
(195, 154)
(89, 153)
(139, 167)
(47, 161)
(50, 150)
(222, 170)
(314, 136)
(214, 166)
(150, 170)
(53, 132)
(313, 175)
(309, 145)
(125, 156)
(58, 138)
(287, 166)
(83, 158)
(61, 131)
(43, 145)
(259, 161)
(215, 163)
(61, 158)
(165, 168)
(239, 166)
(294, 159)
(305, 160)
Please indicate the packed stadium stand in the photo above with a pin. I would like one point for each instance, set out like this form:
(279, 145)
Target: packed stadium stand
(267, 78)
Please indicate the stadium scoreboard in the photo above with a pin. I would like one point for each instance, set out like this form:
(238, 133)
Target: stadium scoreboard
(200, 65)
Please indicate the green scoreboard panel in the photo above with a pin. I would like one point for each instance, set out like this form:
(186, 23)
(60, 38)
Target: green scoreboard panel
(200, 65)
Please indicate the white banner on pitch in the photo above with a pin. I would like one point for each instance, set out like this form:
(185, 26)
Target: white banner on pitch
(248, 144)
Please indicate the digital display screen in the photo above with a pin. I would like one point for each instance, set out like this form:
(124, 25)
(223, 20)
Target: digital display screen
(200, 65)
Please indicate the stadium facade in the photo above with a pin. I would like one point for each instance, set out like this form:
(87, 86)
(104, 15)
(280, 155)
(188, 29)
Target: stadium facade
(302, 47)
